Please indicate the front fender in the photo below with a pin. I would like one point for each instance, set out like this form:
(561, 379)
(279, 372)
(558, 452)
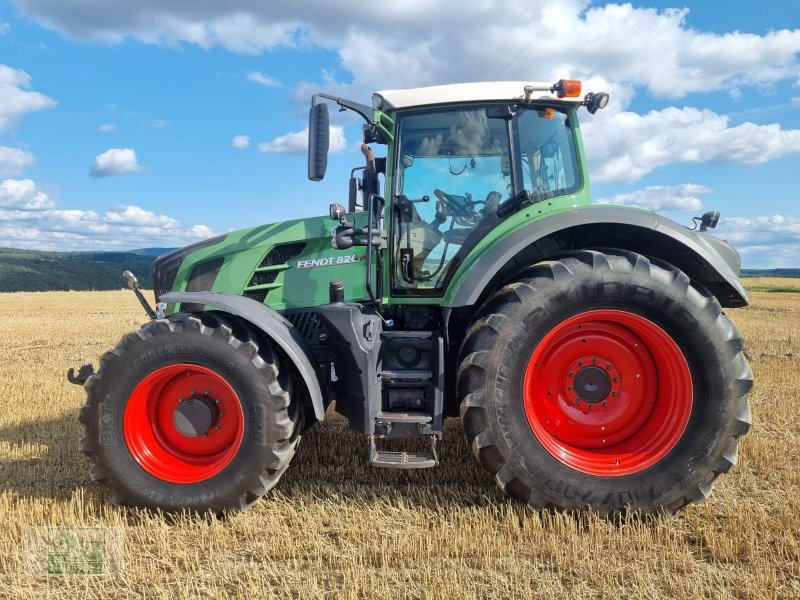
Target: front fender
(701, 256)
(272, 324)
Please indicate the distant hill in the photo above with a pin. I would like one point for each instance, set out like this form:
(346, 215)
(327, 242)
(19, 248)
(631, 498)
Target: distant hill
(152, 251)
(36, 271)
(770, 272)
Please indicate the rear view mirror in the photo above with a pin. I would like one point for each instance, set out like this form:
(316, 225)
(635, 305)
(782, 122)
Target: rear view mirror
(318, 141)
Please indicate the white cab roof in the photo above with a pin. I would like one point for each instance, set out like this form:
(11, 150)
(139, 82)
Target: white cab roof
(466, 92)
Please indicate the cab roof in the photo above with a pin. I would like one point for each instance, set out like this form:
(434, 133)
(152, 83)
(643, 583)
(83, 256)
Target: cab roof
(465, 92)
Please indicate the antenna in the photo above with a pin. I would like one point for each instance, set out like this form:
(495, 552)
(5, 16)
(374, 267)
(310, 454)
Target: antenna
(511, 62)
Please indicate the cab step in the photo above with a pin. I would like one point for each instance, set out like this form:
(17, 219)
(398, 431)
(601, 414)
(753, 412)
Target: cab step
(402, 424)
(402, 460)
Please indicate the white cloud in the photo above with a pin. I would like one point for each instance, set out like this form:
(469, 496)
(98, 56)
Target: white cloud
(115, 161)
(625, 146)
(157, 123)
(139, 217)
(645, 46)
(796, 101)
(16, 99)
(200, 232)
(5, 28)
(13, 161)
(107, 128)
(297, 142)
(771, 241)
(663, 197)
(262, 79)
(23, 194)
(764, 230)
(632, 48)
(25, 226)
(241, 141)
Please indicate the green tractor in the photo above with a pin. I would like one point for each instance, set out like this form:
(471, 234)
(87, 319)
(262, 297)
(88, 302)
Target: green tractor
(584, 347)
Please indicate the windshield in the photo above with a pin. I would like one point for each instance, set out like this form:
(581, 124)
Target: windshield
(455, 167)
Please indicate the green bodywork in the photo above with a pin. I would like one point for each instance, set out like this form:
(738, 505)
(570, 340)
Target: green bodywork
(243, 251)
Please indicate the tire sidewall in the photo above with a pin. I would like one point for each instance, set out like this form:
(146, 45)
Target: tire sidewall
(680, 313)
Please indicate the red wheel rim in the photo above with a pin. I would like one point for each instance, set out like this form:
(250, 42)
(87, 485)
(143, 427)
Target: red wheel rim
(158, 436)
(608, 393)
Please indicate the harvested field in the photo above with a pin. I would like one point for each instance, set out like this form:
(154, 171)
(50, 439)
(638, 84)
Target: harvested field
(336, 528)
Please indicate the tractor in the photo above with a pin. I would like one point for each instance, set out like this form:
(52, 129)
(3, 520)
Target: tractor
(583, 346)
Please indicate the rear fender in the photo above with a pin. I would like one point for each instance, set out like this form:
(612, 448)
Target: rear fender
(705, 259)
(272, 324)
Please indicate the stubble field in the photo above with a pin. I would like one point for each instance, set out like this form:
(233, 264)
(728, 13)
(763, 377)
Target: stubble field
(336, 528)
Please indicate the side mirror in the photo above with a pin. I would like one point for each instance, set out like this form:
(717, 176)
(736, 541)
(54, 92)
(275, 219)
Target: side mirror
(318, 141)
(354, 190)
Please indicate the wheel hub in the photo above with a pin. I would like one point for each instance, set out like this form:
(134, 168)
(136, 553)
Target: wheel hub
(608, 392)
(592, 384)
(183, 423)
(195, 416)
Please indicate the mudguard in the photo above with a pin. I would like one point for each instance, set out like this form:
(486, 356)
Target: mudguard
(272, 324)
(703, 257)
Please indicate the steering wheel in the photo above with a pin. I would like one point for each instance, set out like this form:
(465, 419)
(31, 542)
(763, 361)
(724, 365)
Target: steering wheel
(462, 208)
(456, 204)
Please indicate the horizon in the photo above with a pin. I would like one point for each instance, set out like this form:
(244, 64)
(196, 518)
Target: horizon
(160, 124)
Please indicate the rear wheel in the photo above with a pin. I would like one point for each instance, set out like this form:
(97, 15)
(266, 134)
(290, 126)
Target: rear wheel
(187, 414)
(604, 381)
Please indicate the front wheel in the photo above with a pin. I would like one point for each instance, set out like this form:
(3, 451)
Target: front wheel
(188, 413)
(604, 381)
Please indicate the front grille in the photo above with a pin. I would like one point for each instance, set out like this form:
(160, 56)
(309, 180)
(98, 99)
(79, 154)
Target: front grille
(165, 268)
(164, 272)
(204, 274)
(282, 254)
(257, 295)
(307, 323)
(263, 278)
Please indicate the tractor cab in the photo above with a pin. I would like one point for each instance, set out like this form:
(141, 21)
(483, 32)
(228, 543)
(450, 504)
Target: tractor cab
(461, 158)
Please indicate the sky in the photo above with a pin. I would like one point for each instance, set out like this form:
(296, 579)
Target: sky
(162, 122)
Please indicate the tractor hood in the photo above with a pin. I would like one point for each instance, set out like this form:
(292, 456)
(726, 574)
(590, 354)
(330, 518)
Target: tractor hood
(284, 265)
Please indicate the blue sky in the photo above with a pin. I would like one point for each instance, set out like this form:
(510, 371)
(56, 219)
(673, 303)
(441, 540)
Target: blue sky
(161, 122)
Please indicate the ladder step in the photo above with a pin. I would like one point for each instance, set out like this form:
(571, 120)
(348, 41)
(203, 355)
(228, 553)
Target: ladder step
(402, 460)
(421, 375)
(406, 417)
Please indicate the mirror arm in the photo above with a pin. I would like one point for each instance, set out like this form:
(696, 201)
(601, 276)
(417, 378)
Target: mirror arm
(362, 109)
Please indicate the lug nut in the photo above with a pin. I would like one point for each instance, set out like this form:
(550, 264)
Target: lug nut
(614, 394)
